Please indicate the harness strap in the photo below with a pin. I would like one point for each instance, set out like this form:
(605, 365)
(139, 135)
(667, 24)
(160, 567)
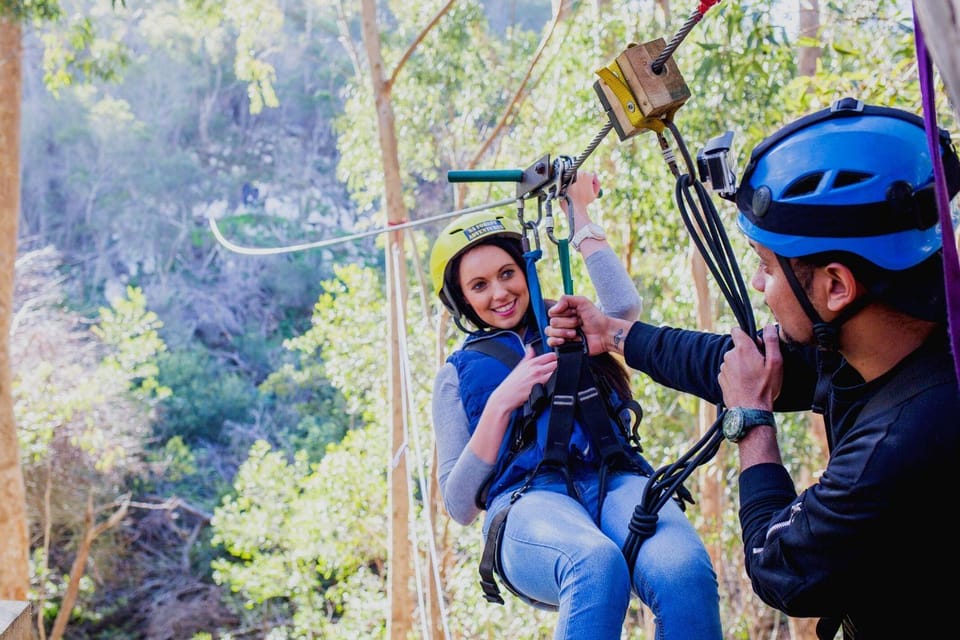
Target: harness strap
(490, 566)
(563, 407)
(489, 560)
(574, 392)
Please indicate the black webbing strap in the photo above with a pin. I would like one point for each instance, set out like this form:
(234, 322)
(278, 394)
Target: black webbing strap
(563, 404)
(598, 422)
(489, 558)
(496, 349)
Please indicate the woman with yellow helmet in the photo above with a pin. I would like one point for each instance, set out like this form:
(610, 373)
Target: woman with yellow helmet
(560, 547)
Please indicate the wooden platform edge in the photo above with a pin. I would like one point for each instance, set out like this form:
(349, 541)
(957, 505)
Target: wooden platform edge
(15, 623)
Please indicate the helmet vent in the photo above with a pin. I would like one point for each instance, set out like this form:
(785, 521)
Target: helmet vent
(848, 178)
(803, 186)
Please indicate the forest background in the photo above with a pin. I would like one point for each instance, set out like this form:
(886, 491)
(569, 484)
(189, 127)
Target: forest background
(205, 435)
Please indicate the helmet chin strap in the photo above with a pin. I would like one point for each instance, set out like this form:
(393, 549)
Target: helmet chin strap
(826, 335)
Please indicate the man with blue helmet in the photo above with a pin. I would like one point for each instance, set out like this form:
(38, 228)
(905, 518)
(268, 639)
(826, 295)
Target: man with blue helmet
(840, 209)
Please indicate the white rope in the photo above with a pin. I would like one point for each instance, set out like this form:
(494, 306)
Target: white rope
(400, 454)
(408, 403)
(268, 251)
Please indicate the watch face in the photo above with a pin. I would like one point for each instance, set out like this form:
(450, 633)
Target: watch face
(733, 424)
(737, 421)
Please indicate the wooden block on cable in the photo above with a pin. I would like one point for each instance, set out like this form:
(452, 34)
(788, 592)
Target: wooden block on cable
(658, 95)
(15, 623)
(653, 97)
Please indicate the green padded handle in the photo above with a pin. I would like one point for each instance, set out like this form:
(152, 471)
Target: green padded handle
(494, 175)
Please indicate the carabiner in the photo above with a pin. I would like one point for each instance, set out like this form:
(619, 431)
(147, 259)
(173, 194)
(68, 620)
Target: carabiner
(548, 220)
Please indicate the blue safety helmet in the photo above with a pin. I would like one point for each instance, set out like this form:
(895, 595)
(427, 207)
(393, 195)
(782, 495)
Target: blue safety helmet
(853, 177)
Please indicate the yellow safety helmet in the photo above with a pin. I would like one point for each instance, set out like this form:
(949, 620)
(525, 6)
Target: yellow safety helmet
(464, 232)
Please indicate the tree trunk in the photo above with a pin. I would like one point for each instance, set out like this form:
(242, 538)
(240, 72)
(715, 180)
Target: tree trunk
(91, 531)
(940, 22)
(15, 547)
(807, 57)
(711, 489)
(399, 566)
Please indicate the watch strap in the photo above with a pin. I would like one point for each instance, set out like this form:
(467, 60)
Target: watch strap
(587, 231)
(748, 419)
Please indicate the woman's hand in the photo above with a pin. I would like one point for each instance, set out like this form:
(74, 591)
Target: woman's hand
(516, 387)
(582, 191)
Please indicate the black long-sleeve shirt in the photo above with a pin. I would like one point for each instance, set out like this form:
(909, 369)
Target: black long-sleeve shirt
(872, 541)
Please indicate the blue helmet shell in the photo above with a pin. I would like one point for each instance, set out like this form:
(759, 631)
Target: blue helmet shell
(853, 178)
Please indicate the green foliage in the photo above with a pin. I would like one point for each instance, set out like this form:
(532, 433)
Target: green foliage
(79, 52)
(445, 93)
(127, 188)
(74, 392)
(304, 537)
(132, 331)
(38, 10)
(176, 459)
(305, 399)
(204, 397)
(347, 321)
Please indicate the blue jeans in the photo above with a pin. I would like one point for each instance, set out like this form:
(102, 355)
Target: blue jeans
(553, 552)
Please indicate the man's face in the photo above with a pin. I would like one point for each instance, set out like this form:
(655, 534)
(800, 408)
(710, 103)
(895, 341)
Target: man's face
(770, 280)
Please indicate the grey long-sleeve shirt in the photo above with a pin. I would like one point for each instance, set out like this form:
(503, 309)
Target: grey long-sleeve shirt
(460, 471)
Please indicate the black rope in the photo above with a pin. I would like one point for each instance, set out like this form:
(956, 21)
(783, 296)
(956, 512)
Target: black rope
(703, 222)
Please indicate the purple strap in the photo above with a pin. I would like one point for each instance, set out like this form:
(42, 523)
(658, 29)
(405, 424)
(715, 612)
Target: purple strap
(951, 263)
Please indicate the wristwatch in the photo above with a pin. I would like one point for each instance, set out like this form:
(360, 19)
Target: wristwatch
(737, 421)
(587, 231)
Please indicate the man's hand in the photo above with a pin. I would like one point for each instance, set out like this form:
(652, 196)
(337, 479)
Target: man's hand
(602, 332)
(751, 378)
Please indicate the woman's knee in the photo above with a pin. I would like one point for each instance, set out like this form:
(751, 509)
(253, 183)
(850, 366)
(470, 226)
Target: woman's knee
(598, 563)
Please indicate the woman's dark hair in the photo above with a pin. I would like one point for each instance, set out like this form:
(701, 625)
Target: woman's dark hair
(510, 245)
(607, 368)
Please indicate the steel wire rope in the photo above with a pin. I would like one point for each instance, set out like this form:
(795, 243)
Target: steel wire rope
(695, 17)
(267, 251)
(407, 412)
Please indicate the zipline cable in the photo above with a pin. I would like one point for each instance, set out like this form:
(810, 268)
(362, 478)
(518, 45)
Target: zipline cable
(268, 251)
(695, 17)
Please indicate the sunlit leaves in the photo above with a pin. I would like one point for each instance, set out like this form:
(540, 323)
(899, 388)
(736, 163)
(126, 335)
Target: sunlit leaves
(95, 393)
(294, 533)
(76, 53)
(348, 325)
(131, 331)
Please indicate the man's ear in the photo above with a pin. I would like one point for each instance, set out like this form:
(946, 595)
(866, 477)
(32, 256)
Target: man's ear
(839, 286)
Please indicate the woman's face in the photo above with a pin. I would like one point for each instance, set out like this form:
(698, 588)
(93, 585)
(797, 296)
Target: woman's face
(494, 286)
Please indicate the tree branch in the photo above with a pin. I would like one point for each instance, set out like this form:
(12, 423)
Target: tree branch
(91, 532)
(521, 92)
(416, 42)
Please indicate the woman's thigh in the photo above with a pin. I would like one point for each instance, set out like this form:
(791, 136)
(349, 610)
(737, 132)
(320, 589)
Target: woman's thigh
(548, 537)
